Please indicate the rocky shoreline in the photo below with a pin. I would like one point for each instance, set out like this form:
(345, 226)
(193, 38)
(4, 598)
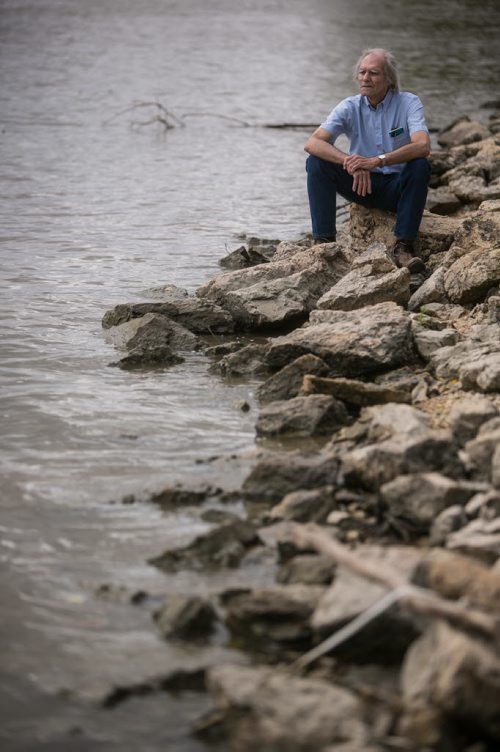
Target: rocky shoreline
(373, 502)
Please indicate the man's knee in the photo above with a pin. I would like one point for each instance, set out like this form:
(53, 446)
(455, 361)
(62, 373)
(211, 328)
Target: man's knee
(419, 169)
(314, 165)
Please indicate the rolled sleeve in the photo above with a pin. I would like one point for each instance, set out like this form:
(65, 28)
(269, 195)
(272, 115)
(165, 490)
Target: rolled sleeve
(338, 121)
(416, 117)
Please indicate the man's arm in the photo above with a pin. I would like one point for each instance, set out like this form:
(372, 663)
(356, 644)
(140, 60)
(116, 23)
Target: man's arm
(318, 144)
(420, 147)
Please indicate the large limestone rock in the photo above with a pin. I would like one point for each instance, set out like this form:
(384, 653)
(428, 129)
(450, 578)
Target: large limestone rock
(269, 710)
(197, 315)
(283, 291)
(375, 338)
(416, 499)
(277, 474)
(457, 675)
(360, 288)
(149, 331)
(476, 178)
(383, 638)
(369, 225)
(471, 276)
(287, 382)
(312, 415)
(462, 131)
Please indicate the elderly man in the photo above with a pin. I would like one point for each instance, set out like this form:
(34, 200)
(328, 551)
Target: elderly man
(386, 167)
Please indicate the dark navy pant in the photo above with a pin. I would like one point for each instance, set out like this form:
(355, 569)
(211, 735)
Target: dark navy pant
(403, 192)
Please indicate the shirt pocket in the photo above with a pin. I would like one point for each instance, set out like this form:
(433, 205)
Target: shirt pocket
(398, 136)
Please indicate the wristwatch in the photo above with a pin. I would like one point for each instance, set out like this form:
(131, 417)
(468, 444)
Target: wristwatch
(382, 159)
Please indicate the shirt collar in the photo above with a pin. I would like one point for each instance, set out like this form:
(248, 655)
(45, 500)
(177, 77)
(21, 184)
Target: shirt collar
(384, 103)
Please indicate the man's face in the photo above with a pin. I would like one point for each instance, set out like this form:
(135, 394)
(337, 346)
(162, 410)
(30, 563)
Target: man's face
(371, 78)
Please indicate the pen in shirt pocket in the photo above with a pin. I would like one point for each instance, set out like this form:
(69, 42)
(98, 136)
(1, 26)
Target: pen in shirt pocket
(396, 132)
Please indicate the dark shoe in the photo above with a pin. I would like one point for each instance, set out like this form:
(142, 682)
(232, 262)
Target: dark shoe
(325, 239)
(404, 255)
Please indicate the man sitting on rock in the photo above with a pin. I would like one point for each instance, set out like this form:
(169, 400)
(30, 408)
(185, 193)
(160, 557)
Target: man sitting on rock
(386, 167)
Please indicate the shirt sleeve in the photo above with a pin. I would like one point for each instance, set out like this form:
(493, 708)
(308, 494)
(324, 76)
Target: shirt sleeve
(338, 121)
(416, 117)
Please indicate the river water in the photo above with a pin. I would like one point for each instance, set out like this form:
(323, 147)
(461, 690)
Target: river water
(100, 203)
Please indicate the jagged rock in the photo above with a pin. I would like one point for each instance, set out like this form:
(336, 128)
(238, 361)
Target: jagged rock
(471, 276)
(467, 416)
(185, 616)
(223, 547)
(387, 636)
(442, 201)
(355, 392)
(269, 710)
(173, 497)
(154, 356)
(414, 500)
(149, 332)
(199, 316)
(460, 676)
(371, 339)
(307, 569)
(475, 179)
(276, 475)
(459, 577)
(451, 519)
(399, 441)
(495, 468)
(373, 465)
(244, 258)
(475, 363)
(484, 505)
(305, 506)
(360, 288)
(280, 613)
(443, 314)
(428, 341)
(480, 450)
(250, 359)
(281, 292)
(368, 225)
(430, 291)
(474, 189)
(480, 538)
(287, 382)
(314, 415)
(462, 131)
(374, 260)
(494, 309)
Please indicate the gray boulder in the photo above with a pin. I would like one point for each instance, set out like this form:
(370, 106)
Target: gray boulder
(480, 539)
(428, 341)
(185, 616)
(432, 290)
(313, 415)
(277, 474)
(269, 710)
(481, 450)
(467, 416)
(388, 635)
(442, 201)
(354, 392)
(455, 674)
(272, 295)
(150, 331)
(361, 288)
(416, 499)
(462, 131)
(471, 276)
(280, 613)
(199, 316)
(375, 338)
(287, 382)
(305, 506)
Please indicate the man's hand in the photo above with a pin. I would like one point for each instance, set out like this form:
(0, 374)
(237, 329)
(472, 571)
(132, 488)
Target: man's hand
(362, 182)
(355, 162)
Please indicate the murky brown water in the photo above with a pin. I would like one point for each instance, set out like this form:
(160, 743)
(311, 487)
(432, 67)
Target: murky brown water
(98, 207)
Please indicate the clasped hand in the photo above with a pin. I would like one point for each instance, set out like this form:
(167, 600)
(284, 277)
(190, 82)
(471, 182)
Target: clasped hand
(359, 167)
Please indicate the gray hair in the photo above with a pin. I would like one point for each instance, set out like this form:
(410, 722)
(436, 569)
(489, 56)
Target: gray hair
(390, 66)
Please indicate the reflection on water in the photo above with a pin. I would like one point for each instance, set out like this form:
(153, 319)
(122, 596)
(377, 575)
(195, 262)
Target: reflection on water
(96, 208)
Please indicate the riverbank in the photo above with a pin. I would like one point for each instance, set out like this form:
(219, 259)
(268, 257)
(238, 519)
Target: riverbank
(377, 470)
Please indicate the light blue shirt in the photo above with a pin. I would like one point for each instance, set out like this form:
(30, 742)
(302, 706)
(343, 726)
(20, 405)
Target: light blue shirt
(377, 130)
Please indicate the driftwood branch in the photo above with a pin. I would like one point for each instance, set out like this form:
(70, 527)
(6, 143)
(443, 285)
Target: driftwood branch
(164, 116)
(416, 599)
